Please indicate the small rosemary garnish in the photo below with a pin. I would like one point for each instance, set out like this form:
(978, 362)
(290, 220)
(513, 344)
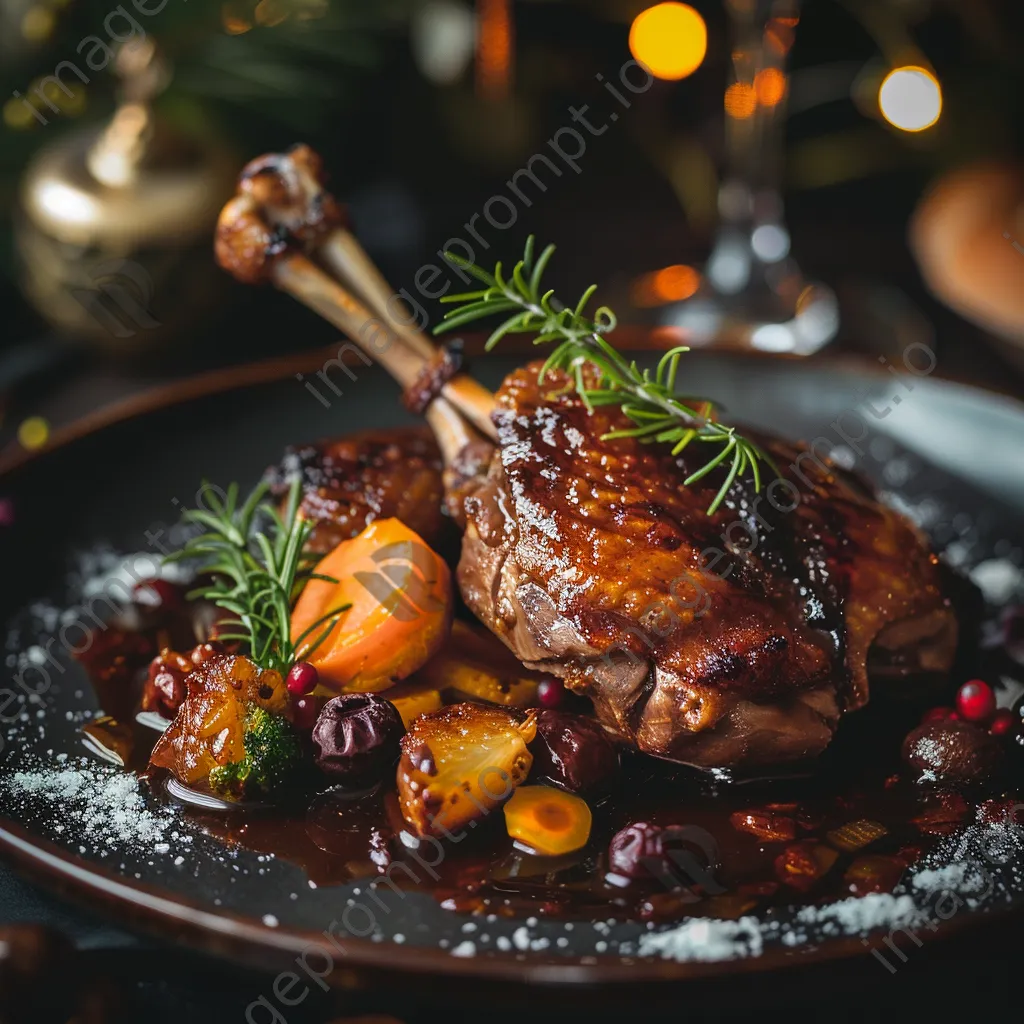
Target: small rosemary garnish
(255, 577)
(649, 401)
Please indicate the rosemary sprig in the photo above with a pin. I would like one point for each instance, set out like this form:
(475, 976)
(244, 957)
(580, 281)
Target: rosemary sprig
(648, 400)
(257, 577)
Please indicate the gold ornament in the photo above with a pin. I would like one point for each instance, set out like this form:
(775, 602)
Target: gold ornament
(115, 223)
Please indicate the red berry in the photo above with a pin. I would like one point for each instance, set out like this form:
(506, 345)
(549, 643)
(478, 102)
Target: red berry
(305, 712)
(939, 715)
(551, 693)
(159, 593)
(302, 679)
(1004, 721)
(202, 653)
(976, 702)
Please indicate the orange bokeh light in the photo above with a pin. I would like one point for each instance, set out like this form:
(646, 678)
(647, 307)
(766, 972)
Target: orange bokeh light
(670, 284)
(494, 49)
(770, 86)
(740, 100)
(235, 23)
(669, 39)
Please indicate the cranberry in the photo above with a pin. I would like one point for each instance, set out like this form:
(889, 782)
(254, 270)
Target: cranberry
(573, 752)
(202, 653)
(939, 715)
(551, 693)
(357, 736)
(302, 679)
(304, 713)
(159, 593)
(802, 864)
(975, 701)
(165, 687)
(170, 687)
(1003, 812)
(1003, 721)
(957, 750)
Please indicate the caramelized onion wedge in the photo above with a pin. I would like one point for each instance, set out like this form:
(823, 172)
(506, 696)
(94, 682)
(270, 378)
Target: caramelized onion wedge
(460, 763)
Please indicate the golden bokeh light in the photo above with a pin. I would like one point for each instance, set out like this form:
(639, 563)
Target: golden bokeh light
(740, 100)
(269, 13)
(17, 115)
(50, 94)
(37, 24)
(670, 284)
(669, 39)
(33, 432)
(770, 86)
(910, 98)
(234, 20)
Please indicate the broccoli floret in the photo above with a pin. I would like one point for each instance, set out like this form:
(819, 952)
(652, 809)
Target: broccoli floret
(273, 755)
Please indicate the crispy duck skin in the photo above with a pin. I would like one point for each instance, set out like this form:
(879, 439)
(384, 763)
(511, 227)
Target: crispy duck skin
(585, 556)
(593, 561)
(349, 482)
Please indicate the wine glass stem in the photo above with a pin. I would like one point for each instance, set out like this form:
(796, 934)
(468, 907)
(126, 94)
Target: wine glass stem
(755, 103)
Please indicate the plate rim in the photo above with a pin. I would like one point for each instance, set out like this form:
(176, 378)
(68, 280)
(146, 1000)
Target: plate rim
(245, 940)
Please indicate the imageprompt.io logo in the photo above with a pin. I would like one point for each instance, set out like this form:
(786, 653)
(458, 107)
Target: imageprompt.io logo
(118, 299)
(404, 584)
(690, 858)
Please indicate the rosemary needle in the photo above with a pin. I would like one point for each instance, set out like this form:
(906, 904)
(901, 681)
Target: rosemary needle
(257, 573)
(648, 400)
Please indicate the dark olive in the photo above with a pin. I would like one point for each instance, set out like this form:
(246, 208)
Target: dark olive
(952, 749)
(679, 856)
(356, 737)
(573, 752)
(632, 848)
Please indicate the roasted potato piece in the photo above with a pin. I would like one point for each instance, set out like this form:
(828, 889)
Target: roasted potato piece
(480, 666)
(459, 763)
(414, 699)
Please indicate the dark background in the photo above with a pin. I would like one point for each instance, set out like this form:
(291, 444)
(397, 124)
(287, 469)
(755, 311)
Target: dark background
(415, 159)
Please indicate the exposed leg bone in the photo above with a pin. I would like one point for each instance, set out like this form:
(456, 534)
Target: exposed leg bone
(283, 206)
(311, 286)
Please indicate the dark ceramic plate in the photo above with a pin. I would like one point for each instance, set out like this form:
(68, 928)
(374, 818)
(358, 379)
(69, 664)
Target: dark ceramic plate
(951, 456)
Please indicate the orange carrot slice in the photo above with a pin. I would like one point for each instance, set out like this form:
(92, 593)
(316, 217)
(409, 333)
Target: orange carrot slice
(548, 821)
(399, 598)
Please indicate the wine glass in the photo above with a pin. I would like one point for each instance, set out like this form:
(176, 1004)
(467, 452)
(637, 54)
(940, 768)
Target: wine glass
(753, 295)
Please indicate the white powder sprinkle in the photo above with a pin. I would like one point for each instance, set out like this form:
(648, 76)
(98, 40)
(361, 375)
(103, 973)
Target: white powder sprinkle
(858, 915)
(465, 949)
(105, 806)
(705, 940)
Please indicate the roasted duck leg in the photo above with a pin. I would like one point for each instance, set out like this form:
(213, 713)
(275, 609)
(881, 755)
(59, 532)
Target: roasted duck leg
(737, 639)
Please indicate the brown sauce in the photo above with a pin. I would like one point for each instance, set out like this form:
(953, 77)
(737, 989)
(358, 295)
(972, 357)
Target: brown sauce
(849, 825)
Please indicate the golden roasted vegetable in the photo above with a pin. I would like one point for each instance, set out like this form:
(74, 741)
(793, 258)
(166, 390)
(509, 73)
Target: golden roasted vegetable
(397, 596)
(548, 821)
(460, 763)
(414, 699)
(209, 731)
(480, 666)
